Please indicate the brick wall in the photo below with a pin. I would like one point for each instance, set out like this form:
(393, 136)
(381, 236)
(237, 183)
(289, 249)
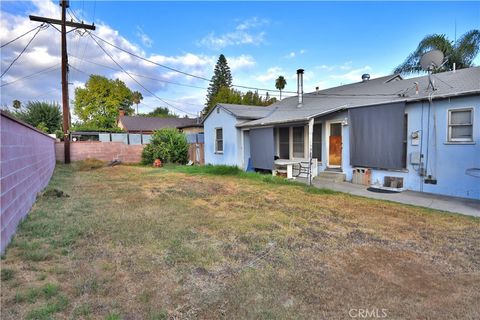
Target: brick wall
(105, 151)
(27, 162)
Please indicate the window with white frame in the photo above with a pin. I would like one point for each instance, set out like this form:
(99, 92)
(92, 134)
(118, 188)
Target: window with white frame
(218, 140)
(460, 125)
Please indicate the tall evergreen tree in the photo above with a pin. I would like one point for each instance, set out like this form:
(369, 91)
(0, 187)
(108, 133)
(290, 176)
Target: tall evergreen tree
(222, 78)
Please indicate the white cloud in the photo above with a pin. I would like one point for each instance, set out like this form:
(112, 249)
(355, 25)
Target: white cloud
(271, 74)
(253, 22)
(294, 54)
(344, 66)
(144, 38)
(241, 62)
(243, 34)
(353, 75)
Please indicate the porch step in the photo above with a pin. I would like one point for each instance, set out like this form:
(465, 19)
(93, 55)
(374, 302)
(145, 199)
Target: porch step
(332, 176)
(333, 169)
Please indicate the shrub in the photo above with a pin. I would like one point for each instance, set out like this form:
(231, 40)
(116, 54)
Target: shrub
(168, 145)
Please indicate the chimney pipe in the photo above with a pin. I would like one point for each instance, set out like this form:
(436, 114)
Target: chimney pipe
(300, 86)
(121, 112)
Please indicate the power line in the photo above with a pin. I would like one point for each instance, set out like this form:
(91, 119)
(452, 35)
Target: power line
(139, 75)
(126, 72)
(174, 101)
(150, 78)
(153, 62)
(43, 26)
(31, 75)
(176, 70)
(20, 36)
(205, 79)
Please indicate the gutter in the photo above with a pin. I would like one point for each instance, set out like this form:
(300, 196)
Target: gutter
(346, 107)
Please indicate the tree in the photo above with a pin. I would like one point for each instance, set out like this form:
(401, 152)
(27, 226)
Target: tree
(461, 52)
(280, 84)
(16, 104)
(168, 145)
(43, 115)
(43, 127)
(226, 95)
(136, 98)
(161, 112)
(222, 78)
(97, 105)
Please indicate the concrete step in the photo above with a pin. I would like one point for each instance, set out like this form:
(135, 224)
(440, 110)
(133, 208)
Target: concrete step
(331, 176)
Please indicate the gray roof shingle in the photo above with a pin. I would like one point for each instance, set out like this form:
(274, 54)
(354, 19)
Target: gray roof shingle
(139, 123)
(246, 111)
(371, 92)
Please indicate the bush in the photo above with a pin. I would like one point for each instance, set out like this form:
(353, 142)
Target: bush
(168, 145)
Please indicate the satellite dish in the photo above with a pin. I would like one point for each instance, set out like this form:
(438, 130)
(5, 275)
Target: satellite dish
(431, 60)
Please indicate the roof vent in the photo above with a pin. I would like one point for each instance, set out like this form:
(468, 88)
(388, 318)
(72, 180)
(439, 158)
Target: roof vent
(365, 77)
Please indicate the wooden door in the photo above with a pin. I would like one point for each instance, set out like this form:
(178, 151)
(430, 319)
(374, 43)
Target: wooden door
(335, 145)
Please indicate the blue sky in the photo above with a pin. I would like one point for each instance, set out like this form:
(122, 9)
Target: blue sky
(334, 42)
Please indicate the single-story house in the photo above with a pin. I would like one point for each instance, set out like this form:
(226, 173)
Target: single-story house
(419, 134)
(147, 125)
(196, 127)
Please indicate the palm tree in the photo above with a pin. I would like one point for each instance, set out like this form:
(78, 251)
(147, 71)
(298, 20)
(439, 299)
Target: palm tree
(136, 98)
(280, 84)
(461, 52)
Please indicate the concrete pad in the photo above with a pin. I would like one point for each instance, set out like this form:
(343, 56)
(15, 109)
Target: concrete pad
(452, 204)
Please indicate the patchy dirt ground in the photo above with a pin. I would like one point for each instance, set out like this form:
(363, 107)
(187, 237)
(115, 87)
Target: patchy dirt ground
(144, 243)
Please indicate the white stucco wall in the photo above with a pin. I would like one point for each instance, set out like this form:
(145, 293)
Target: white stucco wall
(220, 118)
(447, 162)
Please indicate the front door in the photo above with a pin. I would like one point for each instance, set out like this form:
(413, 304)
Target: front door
(335, 145)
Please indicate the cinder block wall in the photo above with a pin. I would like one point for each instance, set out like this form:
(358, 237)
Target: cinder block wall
(105, 151)
(27, 164)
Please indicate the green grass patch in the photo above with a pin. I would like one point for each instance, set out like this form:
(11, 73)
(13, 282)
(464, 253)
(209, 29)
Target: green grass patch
(37, 255)
(83, 310)
(31, 295)
(46, 311)
(50, 290)
(7, 274)
(113, 316)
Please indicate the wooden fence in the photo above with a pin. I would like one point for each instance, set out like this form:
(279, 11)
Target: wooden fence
(196, 153)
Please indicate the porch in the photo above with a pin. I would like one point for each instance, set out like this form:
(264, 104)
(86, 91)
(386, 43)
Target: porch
(288, 149)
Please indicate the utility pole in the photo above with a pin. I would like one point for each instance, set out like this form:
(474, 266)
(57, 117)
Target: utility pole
(65, 101)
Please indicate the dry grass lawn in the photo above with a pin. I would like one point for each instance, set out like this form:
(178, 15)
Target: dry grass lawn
(143, 243)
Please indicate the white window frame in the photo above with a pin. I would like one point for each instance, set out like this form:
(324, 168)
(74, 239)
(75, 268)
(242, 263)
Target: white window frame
(449, 125)
(217, 140)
